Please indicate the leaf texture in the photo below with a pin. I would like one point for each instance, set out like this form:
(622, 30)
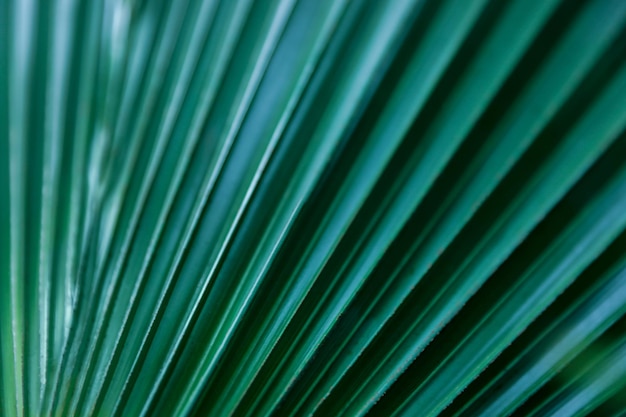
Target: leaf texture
(312, 207)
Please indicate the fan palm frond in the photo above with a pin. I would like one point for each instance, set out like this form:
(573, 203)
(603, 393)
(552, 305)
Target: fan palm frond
(312, 207)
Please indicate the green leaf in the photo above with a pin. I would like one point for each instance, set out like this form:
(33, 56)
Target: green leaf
(312, 207)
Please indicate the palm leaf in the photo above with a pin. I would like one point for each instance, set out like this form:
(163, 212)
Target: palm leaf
(312, 207)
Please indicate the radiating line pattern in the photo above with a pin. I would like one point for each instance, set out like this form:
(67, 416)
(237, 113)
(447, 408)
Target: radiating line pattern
(312, 207)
